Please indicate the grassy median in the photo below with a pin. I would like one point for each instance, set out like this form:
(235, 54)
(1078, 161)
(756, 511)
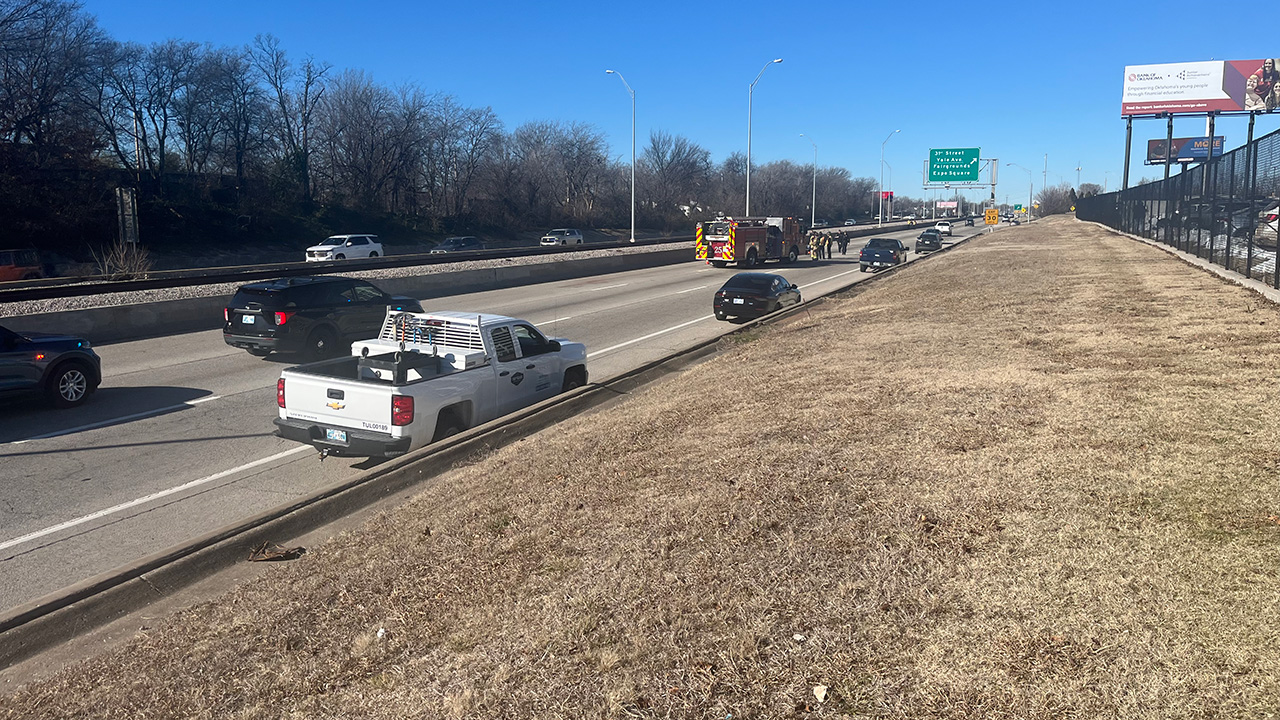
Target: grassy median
(1034, 477)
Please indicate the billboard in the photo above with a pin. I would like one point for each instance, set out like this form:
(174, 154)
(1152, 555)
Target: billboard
(946, 204)
(1184, 150)
(1201, 87)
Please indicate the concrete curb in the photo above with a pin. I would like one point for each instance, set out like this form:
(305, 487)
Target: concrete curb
(119, 323)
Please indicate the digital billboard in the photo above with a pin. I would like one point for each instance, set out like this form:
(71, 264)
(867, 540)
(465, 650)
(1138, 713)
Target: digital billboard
(1201, 87)
(1183, 150)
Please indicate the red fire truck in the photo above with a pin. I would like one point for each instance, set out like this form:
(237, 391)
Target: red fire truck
(748, 241)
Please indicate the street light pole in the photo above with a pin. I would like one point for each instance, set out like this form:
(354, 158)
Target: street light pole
(633, 150)
(880, 219)
(750, 90)
(1030, 186)
(886, 164)
(813, 204)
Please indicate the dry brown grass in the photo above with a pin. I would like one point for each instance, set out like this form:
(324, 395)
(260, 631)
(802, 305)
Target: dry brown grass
(1031, 478)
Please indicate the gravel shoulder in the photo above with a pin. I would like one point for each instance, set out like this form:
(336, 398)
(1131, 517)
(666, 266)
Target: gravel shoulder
(1032, 477)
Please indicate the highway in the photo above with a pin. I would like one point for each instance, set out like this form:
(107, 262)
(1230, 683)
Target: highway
(178, 440)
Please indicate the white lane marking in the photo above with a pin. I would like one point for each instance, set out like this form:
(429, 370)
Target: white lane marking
(700, 287)
(113, 421)
(153, 496)
(828, 279)
(650, 335)
(606, 287)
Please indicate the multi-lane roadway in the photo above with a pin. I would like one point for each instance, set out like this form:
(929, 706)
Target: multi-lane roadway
(178, 441)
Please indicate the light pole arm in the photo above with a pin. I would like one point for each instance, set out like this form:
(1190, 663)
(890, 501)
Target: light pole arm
(751, 89)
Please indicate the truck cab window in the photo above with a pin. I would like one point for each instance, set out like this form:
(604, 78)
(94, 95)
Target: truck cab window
(531, 341)
(503, 345)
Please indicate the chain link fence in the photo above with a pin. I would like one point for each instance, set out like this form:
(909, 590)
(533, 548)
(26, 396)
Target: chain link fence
(1227, 213)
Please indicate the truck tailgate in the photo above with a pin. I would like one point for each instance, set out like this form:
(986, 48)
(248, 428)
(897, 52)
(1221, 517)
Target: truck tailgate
(335, 402)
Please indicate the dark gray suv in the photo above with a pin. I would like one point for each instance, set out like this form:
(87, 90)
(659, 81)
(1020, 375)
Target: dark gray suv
(62, 367)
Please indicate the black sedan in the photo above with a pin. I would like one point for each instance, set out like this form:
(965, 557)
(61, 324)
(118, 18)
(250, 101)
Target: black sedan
(752, 294)
(930, 239)
(317, 316)
(62, 367)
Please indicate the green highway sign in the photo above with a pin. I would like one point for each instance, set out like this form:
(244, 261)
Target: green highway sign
(948, 165)
(1018, 207)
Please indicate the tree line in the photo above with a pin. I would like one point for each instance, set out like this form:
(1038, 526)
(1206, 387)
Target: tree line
(252, 127)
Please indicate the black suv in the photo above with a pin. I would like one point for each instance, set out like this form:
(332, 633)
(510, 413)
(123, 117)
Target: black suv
(315, 315)
(930, 239)
(63, 367)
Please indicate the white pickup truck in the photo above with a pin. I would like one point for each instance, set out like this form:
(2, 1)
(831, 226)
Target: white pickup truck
(425, 377)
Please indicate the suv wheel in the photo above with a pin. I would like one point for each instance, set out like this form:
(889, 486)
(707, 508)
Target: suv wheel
(339, 257)
(373, 254)
(321, 343)
(69, 385)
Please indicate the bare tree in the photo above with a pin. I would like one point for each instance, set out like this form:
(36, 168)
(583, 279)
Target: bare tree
(242, 110)
(166, 70)
(296, 95)
(1054, 200)
(46, 56)
(676, 171)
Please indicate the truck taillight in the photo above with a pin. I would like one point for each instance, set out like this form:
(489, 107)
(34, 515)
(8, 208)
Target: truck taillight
(401, 409)
(280, 392)
(282, 316)
(226, 314)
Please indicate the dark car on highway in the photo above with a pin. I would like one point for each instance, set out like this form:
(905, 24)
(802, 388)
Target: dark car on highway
(62, 367)
(466, 243)
(317, 316)
(752, 294)
(881, 253)
(930, 239)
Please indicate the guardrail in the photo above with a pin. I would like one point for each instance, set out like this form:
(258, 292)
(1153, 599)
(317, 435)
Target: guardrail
(79, 287)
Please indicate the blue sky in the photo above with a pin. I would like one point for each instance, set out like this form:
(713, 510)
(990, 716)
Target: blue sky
(1019, 80)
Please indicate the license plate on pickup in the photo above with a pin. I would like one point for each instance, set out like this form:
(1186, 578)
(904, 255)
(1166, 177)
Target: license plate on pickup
(335, 435)
(248, 319)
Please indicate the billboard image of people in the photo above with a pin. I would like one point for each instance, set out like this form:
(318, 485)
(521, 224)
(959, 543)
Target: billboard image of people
(1201, 87)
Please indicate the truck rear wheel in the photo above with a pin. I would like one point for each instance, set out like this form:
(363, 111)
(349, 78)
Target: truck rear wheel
(793, 255)
(448, 425)
(751, 260)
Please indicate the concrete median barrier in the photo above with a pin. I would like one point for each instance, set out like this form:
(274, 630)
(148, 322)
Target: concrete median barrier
(137, 321)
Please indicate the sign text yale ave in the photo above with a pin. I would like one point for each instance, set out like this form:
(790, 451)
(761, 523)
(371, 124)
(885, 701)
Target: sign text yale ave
(953, 165)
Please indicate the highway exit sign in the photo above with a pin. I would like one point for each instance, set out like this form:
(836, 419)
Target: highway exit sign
(1018, 207)
(953, 165)
(992, 216)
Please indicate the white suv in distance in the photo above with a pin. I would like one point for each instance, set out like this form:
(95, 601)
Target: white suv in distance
(341, 247)
(944, 227)
(562, 236)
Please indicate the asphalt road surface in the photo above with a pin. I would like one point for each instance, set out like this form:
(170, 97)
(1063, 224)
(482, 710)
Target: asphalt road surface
(178, 440)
